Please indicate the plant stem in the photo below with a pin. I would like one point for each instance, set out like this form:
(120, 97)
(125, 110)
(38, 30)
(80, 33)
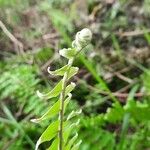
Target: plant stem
(62, 98)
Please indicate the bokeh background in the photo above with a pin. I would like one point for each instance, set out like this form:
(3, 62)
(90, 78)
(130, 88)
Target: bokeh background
(113, 84)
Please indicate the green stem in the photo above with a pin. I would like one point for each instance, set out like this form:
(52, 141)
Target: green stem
(62, 98)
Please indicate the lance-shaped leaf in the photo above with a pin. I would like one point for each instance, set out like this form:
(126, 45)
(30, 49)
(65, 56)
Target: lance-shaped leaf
(57, 90)
(71, 142)
(59, 72)
(69, 88)
(72, 72)
(69, 129)
(52, 110)
(74, 113)
(54, 145)
(68, 52)
(63, 70)
(76, 146)
(49, 133)
(53, 93)
(66, 134)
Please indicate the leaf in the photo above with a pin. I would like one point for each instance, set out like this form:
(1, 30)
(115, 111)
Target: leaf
(53, 93)
(125, 126)
(71, 141)
(139, 111)
(72, 72)
(66, 134)
(54, 145)
(68, 130)
(68, 53)
(90, 122)
(48, 134)
(76, 146)
(52, 110)
(132, 93)
(69, 88)
(74, 113)
(61, 71)
(115, 113)
(146, 81)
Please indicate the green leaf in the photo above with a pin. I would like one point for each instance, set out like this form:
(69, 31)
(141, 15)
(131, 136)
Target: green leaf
(54, 145)
(52, 111)
(61, 71)
(132, 93)
(139, 111)
(125, 126)
(74, 113)
(146, 81)
(72, 72)
(53, 93)
(69, 129)
(69, 88)
(68, 53)
(71, 142)
(66, 134)
(76, 146)
(115, 113)
(48, 134)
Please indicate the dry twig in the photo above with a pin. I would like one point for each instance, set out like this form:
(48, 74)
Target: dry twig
(133, 33)
(17, 43)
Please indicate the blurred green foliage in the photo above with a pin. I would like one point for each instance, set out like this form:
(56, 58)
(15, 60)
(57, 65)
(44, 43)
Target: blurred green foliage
(108, 121)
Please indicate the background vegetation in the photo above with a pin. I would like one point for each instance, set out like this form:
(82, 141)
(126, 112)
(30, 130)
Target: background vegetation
(113, 84)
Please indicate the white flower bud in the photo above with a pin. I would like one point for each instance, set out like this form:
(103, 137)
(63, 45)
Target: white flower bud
(82, 38)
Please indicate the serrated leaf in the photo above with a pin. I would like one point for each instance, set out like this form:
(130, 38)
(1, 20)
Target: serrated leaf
(53, 93)
(68, 52)
(115, 113)
(52, 111)
(139, 111)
